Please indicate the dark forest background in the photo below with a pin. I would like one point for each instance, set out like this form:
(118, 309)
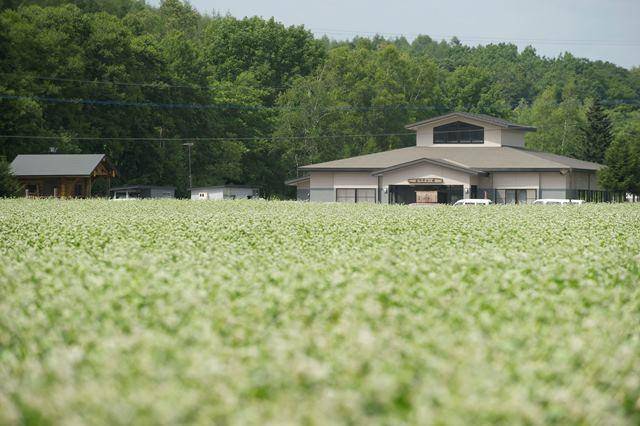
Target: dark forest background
(275, 97)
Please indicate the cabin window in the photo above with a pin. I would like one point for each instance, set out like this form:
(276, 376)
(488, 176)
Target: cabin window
(458, 133)
(202, 196)
(355, 195)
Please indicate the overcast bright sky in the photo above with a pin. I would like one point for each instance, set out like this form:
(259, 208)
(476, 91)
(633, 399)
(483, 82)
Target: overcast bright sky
(597, 29)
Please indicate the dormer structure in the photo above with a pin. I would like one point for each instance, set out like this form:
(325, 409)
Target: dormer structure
(457, 155)
(465, 129)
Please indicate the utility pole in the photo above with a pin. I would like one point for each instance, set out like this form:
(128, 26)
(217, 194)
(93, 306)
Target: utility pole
(189, 145)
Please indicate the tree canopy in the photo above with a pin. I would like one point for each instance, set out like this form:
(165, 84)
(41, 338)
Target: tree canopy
(259, 98)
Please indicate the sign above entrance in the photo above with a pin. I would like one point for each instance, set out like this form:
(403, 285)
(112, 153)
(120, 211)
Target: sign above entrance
(426, 180)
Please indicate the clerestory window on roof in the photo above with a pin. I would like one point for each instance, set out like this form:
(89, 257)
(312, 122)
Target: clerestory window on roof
(458, 133)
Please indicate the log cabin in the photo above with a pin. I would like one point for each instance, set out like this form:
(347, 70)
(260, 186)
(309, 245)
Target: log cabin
(61, 175)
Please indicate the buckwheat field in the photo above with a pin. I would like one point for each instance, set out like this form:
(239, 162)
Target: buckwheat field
(181, 312)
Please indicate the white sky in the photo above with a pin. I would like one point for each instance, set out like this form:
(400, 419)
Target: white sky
(597, 29)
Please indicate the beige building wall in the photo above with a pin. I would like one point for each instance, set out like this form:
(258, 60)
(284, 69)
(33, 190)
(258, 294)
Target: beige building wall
(321, 179)
(321, 187)
(553, 180)
(354, 180)
(515, 180)
(512, 138)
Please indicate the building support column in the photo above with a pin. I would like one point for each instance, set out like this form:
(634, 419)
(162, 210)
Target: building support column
(87, 189)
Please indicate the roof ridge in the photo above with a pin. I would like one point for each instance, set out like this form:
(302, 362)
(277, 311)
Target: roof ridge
(552, 154)
(500, 122)
(532, 153)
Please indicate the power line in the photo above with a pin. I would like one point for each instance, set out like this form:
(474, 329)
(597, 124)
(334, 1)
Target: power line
(198, 139)
(155, 85)
(100, 102)
(483, 38)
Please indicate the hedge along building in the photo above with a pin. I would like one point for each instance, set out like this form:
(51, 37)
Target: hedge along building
(457, 155)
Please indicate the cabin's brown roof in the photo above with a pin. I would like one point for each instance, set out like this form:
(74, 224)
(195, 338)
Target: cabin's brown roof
(502, 158)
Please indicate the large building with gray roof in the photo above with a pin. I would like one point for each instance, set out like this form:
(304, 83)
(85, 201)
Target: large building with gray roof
(457, 155)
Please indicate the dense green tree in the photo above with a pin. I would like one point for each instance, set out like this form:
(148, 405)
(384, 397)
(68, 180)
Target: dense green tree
(623, 155)
(596, 135)
(622, 171)
(9, 186)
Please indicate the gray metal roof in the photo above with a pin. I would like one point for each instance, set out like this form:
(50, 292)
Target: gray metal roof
(134, 187)
(477, 158)
(55, 164)
(195, 188)
(478, 117)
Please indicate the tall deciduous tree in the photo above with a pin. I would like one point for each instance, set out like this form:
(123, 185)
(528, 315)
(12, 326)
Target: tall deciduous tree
(558, 118)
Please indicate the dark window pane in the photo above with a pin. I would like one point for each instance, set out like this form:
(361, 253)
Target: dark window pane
(458, 132)
(365, 196)
(522, 196)
(345, 195)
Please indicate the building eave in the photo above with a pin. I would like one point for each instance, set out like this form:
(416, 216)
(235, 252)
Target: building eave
(49, 176)
(442, 163)
(528, 169)
(467, 116)
(338, 169)
(293, 182)
(196, 188)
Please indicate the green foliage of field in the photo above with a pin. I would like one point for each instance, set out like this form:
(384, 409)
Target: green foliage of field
(172, 312)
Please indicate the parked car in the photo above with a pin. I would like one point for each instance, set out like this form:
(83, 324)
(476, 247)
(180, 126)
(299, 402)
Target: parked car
(473, 202)
(557, 201)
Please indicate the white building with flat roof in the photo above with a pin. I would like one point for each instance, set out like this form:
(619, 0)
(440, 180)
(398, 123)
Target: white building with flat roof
(457, 155)
(224, 192)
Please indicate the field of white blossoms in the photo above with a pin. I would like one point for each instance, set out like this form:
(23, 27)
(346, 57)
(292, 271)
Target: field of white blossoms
(173, 312)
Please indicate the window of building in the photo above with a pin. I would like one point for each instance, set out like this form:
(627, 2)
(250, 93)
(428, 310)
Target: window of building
(458, 133)
(365, 195)
(515, 196)
(344, 195)
(32, 189)
(356, 195)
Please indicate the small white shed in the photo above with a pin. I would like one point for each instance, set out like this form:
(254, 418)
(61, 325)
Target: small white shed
(224, 192)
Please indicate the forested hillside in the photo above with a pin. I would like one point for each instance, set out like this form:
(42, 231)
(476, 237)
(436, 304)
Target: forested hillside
(259, 98)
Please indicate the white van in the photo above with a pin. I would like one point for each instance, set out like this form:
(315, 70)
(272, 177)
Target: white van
(473, 202)
(557, 201)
